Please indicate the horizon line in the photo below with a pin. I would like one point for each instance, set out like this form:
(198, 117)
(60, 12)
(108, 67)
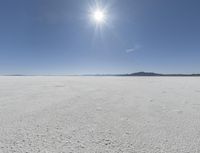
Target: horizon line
(141, 73)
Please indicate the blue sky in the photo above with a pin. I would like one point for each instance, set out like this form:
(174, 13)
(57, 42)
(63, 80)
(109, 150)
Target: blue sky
(58, 37)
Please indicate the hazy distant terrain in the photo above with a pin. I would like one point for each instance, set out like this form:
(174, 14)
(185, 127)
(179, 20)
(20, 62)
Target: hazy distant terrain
(99, 114)
(149, 74)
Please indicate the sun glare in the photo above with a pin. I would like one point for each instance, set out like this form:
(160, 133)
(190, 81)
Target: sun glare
(99, 16)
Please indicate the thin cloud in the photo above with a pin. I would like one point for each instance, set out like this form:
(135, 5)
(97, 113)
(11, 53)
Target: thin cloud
(135, 48)
(130, 50)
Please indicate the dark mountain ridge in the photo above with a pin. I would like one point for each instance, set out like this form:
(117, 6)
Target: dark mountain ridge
(156, 74)
(128, 74)
(146, 74)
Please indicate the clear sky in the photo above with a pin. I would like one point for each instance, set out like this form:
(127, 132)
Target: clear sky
(59, 36)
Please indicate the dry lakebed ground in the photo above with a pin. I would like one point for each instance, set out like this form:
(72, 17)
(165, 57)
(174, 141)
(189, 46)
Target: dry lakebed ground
(63, 114)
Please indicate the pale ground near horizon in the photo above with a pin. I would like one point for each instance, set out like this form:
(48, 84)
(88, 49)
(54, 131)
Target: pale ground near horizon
(99, 114)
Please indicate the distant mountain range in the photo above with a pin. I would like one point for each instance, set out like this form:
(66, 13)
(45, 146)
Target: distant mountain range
(157, 74)
(128, 74)
(146, 74)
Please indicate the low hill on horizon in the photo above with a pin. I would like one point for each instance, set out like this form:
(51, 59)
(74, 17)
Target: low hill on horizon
(144, 74)
(128, 74)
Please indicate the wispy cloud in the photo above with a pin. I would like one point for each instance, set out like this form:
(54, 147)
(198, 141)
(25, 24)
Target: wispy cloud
(133, 49)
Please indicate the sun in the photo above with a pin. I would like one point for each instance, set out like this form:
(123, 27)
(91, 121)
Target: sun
(99, 16)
